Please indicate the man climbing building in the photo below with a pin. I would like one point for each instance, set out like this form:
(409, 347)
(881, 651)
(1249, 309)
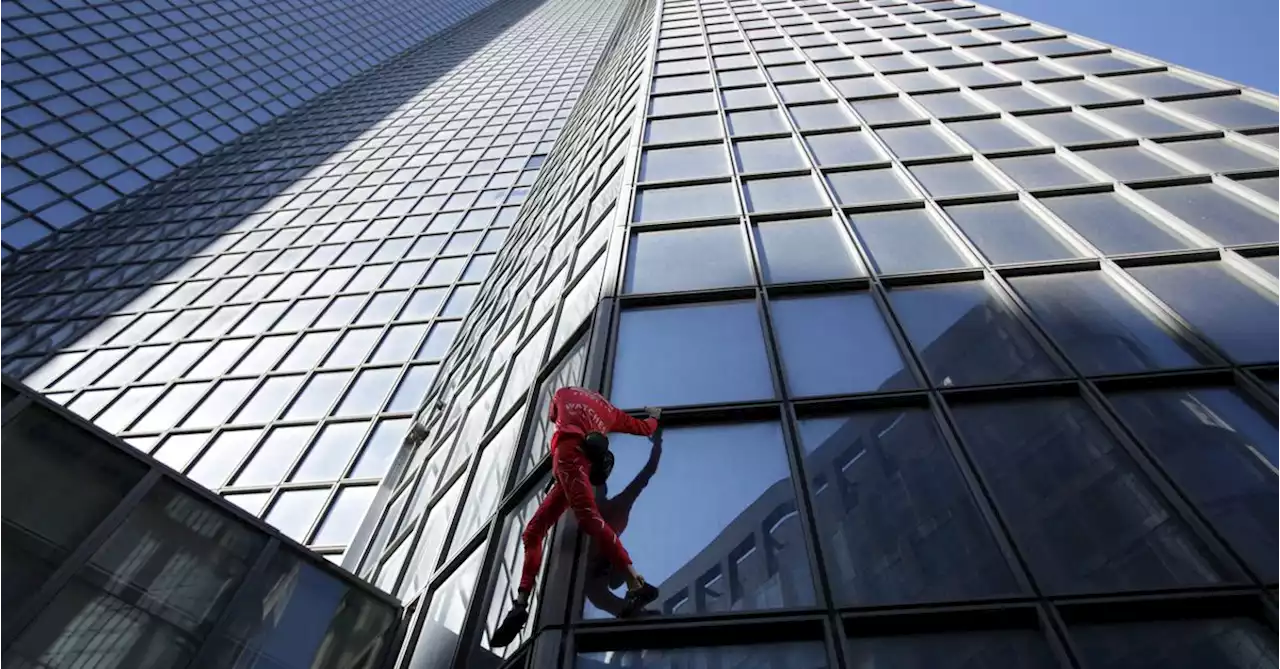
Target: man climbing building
(579, 456)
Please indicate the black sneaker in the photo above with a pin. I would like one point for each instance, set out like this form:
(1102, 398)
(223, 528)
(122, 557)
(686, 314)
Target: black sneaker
(637, 599)
(510, 627)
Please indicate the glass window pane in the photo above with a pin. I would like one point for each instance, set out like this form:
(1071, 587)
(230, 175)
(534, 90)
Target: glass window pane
(295, 511)
(413, 388)
(274, 457)
(368, 392)
(1007, 232)
(1231, 314)
(60, 483)
(1231, 111)
(684, 129)
(1101, 62)
(956, 178)
(681, 104)
(353, 348)
(165, 413)
(990, 135)
(328, 457)
(965, 335)
(1221, 155)
(1082, 513)
(686, 162)
(318, 395)
(218, 405)
(982, 649)
(380, 448)
(1221, 452)
(974, 75)
(906, 241)
(438, 639)
(1102, 330)
(1229, 643)
(488, 484)
(917, 141)
(1157, 84)
(756, 122)
(1013, 98)
(738, 98)
(690, 355)
(820, 116)
(665, 260)
(738, 548)
(764, 155)
(685, 202)
(1227, 218)
(807, 249)
(842, 148)
(222, 456)
(809, 655)
(859, 187)
(837, 344)
(1131, 162)
(944, 105)
(1080, 92)
(885, 110)
(884, 487)
(783, 194)
(1067, 128)
(1041, 171)
(344, 515)
(860, 87)
(1113, 224)
(1143, 120)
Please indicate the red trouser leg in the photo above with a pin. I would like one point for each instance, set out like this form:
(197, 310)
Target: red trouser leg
(572, 470)
(542, 521)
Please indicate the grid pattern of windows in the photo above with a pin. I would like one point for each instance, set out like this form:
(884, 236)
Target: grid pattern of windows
(950, 312)
(103, 99)
(269, 322)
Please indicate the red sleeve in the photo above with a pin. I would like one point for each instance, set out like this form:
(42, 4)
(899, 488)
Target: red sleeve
(628, 425)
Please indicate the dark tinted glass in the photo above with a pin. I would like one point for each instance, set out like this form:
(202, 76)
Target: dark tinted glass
(964, 335)
(296, 615)
(690, 355)
(837, 344)
(1237, 317)
(59, 483)
(1102, 330)
(736, 548)
(1222, 452)
(1084, 516)
(800, 655)
(897, 523)
(1232, 643)
(986, 649)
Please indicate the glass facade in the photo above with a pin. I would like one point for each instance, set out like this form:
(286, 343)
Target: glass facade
(112, 560)
(102, 99)
(268, 321)
(963, 327)
(950, 312)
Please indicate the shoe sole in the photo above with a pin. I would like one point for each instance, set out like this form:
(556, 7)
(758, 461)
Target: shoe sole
(639, 603)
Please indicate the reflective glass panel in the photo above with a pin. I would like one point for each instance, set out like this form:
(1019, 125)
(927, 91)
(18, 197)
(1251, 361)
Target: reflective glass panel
(965, 335)
(1083, 514)
(897, 522)
(690, 355)
(738, 548)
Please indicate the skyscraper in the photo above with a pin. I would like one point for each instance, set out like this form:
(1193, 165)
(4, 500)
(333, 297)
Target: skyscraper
(965, 329)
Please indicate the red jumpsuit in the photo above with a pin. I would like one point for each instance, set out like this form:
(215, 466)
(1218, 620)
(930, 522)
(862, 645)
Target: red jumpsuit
(576, 412)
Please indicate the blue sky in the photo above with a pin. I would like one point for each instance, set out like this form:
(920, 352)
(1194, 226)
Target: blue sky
(1234, 39)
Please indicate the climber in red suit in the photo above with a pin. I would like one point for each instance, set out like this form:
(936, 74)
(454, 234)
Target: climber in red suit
(582, 418)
